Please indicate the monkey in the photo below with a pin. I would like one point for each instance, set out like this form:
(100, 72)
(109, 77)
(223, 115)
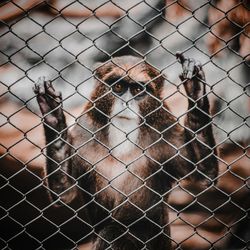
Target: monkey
(126, 150)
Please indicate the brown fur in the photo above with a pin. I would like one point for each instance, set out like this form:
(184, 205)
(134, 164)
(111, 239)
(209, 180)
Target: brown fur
(118, 191)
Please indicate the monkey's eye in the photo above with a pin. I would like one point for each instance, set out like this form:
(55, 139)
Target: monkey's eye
(118, 88)
(138, 90)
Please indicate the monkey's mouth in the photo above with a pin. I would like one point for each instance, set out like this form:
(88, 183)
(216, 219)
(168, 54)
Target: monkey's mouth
(124, 117)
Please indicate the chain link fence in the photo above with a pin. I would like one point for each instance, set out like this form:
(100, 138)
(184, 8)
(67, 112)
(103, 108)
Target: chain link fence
(95, 194)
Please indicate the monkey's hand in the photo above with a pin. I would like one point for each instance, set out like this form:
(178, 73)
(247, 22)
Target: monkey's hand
(198, 122)
(58, 149)
(193, 79)
(50, 103)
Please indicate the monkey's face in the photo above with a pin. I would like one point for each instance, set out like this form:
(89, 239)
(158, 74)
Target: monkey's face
(128, 90)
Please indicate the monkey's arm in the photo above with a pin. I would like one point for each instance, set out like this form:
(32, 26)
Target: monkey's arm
(58, 166)
(198, 122)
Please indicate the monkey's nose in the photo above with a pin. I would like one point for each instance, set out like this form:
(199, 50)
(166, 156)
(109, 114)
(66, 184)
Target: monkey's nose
(126, 104)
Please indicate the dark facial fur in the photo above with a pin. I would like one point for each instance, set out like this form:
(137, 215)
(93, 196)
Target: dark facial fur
(132, 72)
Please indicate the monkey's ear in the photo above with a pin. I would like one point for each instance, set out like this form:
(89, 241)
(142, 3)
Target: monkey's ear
(100, 69)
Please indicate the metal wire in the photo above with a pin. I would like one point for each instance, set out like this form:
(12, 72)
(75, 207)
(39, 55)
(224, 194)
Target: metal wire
(67, 41)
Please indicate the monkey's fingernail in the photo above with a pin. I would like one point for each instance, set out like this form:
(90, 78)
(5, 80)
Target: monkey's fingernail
(189, 74)
(48, 84)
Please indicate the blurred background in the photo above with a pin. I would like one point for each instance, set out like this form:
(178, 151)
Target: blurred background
(62, 40)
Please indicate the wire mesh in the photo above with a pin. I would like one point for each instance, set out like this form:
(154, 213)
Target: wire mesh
(124, 157)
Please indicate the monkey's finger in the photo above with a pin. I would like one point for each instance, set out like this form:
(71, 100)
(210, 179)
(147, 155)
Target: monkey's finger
(199, 71)
(35, 89)
(57, 95)
(180, 57)
(185, 68)
(49, 85)
(198, 65)
(201, 75)
(190, 68)
(39, 86)
(181, 77)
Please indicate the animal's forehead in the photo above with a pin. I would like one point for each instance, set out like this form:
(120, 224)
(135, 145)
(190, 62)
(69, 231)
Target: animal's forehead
(138, 73)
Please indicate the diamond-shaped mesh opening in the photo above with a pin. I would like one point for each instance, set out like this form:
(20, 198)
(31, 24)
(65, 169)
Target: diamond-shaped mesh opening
(124, 124)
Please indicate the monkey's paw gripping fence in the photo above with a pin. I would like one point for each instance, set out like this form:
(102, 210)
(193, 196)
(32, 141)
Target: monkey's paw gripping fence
(90, 196)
